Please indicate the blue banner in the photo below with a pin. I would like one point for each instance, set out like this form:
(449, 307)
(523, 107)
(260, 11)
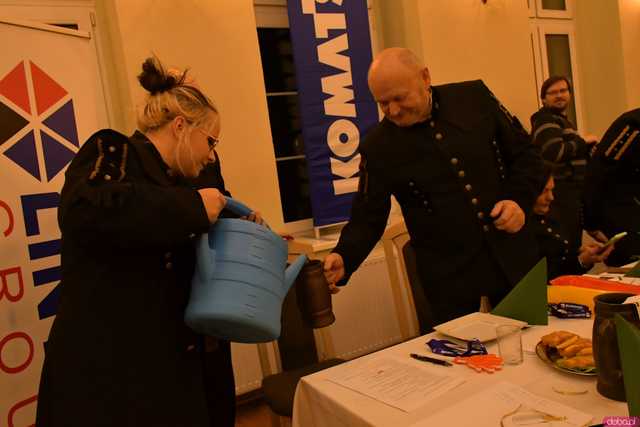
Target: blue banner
(332, 53)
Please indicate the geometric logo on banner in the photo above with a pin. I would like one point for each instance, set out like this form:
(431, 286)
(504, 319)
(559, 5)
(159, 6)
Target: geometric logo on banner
(10, 123)
(53, 128)
(14, 87)
(23, 153)
(63, 122)
(48, 92)
(56, 155)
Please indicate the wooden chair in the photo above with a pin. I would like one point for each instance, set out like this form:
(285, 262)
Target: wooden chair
(414, 314)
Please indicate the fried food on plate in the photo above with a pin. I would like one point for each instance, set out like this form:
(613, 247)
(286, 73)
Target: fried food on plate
(573, 349)
(581, 362)
(557, 337)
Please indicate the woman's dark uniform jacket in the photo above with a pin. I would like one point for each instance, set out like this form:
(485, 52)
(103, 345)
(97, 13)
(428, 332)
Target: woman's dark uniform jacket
(554, 245)
(119, 353)
(612, 191)
(447, 174)
(562, 147)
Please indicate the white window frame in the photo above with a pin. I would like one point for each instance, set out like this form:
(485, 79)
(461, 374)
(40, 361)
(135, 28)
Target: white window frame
(555, 14)
(531, 7)
(273, 14)
(548, 27)
(537, 58)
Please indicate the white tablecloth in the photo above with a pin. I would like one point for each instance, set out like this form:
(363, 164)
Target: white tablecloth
(319, 402)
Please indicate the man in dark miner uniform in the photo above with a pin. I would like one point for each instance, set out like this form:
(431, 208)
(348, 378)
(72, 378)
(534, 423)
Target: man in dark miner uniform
(612, 190)
(465, 175)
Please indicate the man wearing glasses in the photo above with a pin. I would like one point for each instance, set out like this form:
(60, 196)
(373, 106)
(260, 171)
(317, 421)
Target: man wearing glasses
(565, 151)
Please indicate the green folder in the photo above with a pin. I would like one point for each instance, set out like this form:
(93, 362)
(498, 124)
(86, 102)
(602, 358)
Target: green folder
(527, 301)
(629, 346)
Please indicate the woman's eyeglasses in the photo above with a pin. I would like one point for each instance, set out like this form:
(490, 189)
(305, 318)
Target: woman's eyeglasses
(211, 140)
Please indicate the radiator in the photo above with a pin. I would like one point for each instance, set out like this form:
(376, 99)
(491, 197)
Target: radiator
(246, 367)
(366, 321)
(366, 318)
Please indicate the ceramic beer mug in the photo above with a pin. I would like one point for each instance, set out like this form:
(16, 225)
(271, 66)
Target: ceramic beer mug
(605, 342)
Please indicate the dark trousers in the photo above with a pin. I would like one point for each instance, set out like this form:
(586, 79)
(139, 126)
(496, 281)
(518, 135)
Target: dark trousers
(459, 293)
(219, 383)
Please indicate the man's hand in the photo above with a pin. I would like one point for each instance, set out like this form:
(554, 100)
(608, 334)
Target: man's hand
(333, 271)
(592, 253)
(508, 216)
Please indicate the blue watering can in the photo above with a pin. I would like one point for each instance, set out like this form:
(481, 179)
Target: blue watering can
(240, 280)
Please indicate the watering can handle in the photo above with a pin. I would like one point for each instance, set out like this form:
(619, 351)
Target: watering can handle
(240, 209)
(237, 207)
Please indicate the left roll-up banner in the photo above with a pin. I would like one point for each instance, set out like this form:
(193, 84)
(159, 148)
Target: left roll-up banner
(50, 102)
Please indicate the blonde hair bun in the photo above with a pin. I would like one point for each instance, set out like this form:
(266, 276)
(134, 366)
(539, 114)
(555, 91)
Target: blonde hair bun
(154, 79)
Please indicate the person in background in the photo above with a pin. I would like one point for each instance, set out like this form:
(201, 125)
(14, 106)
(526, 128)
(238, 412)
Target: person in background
(119, 353)
(564, 150)
(612, 190)
(465, 175)
(563, 256)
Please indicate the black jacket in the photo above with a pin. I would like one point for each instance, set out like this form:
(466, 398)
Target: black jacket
(447, 174)
(555, 244)
(119, 352)
(612, 191)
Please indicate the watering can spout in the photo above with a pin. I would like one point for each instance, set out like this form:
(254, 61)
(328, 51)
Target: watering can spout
(293, 270)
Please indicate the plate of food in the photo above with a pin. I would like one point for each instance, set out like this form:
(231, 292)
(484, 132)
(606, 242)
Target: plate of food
(567, 352)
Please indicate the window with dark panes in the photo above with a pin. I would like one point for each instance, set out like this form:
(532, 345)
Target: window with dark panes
(286, 129)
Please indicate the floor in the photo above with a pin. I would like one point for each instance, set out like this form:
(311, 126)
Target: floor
(253, 414)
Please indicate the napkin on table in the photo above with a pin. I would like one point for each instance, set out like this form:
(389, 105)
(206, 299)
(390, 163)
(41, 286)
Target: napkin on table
(629, 346)
(527, 301)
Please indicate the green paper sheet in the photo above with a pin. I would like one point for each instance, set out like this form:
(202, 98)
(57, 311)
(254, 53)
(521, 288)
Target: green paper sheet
(527, 301)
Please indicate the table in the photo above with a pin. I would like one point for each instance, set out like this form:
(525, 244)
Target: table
(319, 402)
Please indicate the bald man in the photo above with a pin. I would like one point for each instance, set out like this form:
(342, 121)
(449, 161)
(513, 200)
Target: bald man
(465, 175)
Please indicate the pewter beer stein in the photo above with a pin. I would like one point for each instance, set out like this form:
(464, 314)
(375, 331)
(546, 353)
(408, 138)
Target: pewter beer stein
(314, 298)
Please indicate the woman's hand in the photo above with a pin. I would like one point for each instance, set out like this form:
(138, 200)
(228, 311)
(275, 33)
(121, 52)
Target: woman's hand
(214, 201)
(598, 235)
(593, 253)
(256, 217)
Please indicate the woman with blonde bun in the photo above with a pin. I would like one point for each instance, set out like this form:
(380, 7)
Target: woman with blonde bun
(119, 353)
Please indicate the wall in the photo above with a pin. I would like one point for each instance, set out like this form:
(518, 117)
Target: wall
(630, 28)
(397, 25)
(601, 64)
(467, 40)
(217, 40)
(459, 41)
(472, 40)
